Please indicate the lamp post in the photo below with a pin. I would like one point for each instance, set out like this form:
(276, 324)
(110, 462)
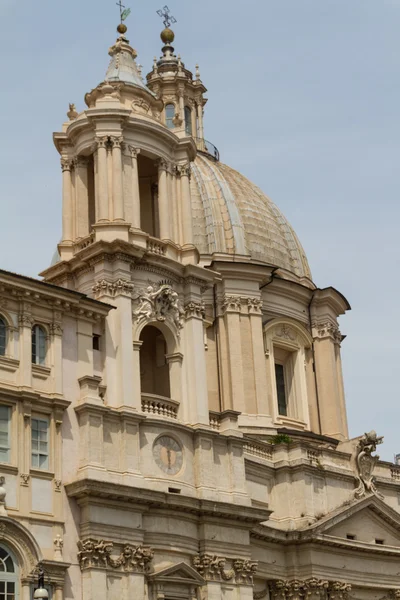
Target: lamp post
(41, 593)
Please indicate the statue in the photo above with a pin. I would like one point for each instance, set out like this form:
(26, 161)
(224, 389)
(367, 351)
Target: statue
(366, 463)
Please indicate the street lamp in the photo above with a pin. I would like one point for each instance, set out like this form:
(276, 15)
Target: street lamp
(41, 593)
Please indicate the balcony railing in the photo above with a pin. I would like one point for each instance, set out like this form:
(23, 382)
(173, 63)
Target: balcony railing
(158, 405)
(207, 148)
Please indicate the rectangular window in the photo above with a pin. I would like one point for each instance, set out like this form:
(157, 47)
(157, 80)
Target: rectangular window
(281, 389)
(40, 443)
(96, 341)
(5, 423)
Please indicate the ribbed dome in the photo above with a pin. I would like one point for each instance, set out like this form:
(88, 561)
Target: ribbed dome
(233, 216)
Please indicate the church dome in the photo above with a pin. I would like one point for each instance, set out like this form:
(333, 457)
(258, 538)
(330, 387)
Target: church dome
(233, 216)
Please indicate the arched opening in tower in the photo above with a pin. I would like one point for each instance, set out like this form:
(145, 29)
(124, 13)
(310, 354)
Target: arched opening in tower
(148, 188)
(154, 369)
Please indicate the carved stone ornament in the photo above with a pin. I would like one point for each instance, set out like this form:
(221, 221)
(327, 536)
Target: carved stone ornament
(159, 304)
(338, 590)
(231, 304)
(55, 329)
(3, 494)
(113, 288)
(25, 479)
(195, 310)
(72, 113)
(366, 463)
(25, 320)
(311, 589)
(286, 332)
(97, 553)
(58, 547)
(212, 568)
(255, 306)
(327, 330)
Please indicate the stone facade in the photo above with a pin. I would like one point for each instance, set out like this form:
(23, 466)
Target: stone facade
(172, 411)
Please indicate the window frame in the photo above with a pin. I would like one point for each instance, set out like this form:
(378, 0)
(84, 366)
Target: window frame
(169, 120)
(37, 453)
(36, 358)
(188, 121)
(10, 577)
(286, 342)
(4, 326)
(7, 448)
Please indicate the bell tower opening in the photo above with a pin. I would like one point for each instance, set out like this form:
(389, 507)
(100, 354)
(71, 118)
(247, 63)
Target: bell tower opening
(154, 368)
(148, 189)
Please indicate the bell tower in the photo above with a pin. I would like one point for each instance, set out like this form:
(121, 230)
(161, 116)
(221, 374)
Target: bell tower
(126, 158)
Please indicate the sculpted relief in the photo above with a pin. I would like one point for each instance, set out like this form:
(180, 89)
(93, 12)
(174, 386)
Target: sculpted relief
(159, 304)
(365, 463)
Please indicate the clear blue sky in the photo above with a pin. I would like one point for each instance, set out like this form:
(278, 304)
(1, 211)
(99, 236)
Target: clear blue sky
(304, 99)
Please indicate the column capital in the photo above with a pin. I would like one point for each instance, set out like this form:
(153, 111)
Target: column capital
(162, 164)
(101, 142)
(134, 151)
(66, 164)
(327, 329)
(80, 161)
(183, 170)
(116, 141)
(195, 310)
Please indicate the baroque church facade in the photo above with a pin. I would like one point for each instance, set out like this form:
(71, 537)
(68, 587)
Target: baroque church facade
(172, 410)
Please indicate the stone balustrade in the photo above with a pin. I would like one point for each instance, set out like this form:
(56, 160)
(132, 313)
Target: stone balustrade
(158, 405)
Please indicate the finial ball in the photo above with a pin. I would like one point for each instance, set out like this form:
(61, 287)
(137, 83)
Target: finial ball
(167, 36)
(122, 28)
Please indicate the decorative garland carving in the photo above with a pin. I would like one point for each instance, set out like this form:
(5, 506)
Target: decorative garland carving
(212, 568)
(366, 463)
(160, 304)
(97, 553)
(121, 287)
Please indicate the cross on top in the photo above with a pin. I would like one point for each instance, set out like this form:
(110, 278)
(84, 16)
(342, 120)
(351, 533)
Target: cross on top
(165, 13)
(124, 12)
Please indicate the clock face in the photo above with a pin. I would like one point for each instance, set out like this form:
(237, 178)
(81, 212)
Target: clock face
(168, 454)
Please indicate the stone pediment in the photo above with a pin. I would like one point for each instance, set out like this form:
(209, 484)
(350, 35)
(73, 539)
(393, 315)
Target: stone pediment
(180, 573)
(368, 520)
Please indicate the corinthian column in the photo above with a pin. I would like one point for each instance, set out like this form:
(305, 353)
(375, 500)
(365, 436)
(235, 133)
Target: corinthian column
(67, 201)
(163, 200)
(118, 197)
(82, 197)
(135, 188)
(102, 178)
(186, 205)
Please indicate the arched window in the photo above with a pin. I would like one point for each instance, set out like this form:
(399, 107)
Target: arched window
(3, 337)
(188, 120)
(38, 346)
(8, 576)
(169, 116)
(154, 369)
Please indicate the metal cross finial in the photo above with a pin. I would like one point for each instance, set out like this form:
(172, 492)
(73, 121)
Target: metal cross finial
(165, 13)
(124, 12)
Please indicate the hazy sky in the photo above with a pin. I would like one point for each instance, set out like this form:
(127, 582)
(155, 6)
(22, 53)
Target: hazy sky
(304, 99)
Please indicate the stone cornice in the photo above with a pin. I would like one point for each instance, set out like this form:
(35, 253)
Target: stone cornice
(25, 289)
(86, 488)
